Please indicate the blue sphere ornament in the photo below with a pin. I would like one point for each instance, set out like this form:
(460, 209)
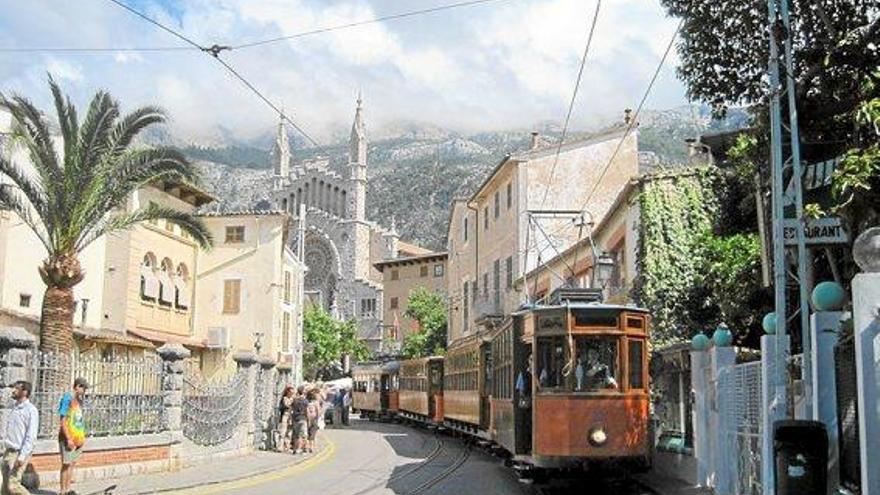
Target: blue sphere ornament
(700, 342)
(828, 296)
(769, 323)
(722, 336)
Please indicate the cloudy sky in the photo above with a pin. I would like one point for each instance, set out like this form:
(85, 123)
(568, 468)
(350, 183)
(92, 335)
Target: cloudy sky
(504, 64)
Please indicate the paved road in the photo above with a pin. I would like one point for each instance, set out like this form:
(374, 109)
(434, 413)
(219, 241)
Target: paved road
(381, 458)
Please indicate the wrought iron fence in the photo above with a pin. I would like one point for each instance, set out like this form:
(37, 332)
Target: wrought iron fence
(848, 413)
(739, 395)
(212, 410)
(124, 395)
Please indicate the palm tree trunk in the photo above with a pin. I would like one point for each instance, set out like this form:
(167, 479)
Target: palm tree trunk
(56, 322)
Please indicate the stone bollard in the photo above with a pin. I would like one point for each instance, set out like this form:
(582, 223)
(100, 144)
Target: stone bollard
(16, 345)
(771, 409)
(172, 396)
(825, 330)
(247, 364)
(702, 436)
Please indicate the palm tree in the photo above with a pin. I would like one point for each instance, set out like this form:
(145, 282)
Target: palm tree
(72, 200)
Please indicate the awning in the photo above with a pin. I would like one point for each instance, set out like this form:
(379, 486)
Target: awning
(182, 292)
(107, 336)
(166, 294)
(151, 283)
(168, 338)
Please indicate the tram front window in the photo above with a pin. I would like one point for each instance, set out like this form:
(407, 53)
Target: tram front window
(596, 367)
(551, 362)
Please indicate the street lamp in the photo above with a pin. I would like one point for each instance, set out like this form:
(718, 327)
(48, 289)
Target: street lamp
(603, 269)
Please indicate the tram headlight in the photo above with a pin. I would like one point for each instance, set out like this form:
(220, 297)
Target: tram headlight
(598, 437)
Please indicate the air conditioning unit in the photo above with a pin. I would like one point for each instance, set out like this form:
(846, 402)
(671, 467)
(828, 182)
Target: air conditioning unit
(219, 338)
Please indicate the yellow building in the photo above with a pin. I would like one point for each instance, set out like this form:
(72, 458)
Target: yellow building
(400, 277)
(521, 216)
(153, 284)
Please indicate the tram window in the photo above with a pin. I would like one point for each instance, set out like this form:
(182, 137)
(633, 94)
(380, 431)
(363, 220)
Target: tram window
(596, 366)
(551, 360)
(636, 359)
(593, 318)
(634, 322)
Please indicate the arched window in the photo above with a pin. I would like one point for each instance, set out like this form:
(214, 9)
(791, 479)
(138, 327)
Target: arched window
(344, 212)
(284, 204)
(166, 285)
(149, 280)
(336, 201)
(181, 287)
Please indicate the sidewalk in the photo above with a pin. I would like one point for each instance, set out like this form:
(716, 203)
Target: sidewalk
(214, 472)
(664, 485)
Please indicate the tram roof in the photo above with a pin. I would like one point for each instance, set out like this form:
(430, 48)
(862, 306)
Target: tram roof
(582, 305)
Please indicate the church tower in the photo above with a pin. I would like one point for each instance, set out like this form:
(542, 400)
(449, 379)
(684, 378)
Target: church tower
(281, 153)
(358, 163)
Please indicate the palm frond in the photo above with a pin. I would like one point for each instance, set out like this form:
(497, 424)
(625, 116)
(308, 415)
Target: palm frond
(31, 190)
(133, 170)
(192, 225)
(67, 118)
(130, 126)
(93, 139)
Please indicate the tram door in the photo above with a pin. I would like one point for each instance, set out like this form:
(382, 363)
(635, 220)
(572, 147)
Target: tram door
(486, 367)
(384, 390)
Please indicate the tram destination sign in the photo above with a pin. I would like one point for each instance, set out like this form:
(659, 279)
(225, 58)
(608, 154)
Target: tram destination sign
(818, 232)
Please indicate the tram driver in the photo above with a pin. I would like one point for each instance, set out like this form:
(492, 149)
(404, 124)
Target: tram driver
(592, 373)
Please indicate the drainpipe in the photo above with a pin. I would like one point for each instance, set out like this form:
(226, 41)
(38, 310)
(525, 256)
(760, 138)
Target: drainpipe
(476, 242)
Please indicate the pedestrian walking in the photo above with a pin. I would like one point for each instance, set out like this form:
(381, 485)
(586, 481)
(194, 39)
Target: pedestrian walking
(21, 433)
(300, 420)
(314, 415)
(72, 432)
(284, 409)
(346, 405)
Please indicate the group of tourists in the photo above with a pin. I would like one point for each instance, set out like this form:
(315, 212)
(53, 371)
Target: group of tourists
(22, 427)
(301, 417)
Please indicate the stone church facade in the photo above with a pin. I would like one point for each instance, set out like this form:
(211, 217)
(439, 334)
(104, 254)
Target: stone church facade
(341, 244)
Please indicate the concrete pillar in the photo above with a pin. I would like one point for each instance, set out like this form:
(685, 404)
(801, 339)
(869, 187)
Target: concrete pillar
(771, 409)
(700, 387)
(16, 345)
(247, 364)
(866, 320)
(825, 328)
(172, 395)
(723, 462)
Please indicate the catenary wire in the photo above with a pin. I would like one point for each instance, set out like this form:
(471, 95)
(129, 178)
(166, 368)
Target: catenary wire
(214, 51)
(362, 23)
(195, 46)
(574, 93)
(633, 121)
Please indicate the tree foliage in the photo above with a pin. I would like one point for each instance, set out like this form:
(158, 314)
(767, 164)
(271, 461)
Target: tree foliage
(328, 340)
(429, 310)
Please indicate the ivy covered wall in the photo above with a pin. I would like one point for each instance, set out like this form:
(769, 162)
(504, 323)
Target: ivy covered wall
(677, 213)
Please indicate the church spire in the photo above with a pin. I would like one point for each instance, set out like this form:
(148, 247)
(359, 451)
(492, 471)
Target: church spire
(281, 150)
(358, 141)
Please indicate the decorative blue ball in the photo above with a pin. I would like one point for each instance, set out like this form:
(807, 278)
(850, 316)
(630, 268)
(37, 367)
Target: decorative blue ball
(828, 296)
(700, 342)
(769, 323)
(722, 336)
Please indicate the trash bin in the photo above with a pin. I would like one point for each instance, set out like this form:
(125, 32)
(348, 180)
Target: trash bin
(800, 451)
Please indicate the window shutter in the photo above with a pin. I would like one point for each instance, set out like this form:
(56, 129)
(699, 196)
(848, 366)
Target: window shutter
(231, 296)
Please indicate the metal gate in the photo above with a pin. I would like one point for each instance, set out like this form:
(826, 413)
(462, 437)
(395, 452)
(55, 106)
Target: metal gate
(739, 403)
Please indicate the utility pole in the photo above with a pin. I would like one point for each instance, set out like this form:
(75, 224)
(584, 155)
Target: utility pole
(779, 23)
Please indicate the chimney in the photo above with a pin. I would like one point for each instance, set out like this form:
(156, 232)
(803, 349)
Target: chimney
(534, 143)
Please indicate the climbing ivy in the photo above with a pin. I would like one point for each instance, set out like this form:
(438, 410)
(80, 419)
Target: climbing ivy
(677, 213)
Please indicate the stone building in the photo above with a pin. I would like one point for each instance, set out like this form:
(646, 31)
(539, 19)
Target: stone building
(521, 216)
(401, 276)
(341, 245)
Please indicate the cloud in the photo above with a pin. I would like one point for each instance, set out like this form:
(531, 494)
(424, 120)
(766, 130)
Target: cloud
(499, 65)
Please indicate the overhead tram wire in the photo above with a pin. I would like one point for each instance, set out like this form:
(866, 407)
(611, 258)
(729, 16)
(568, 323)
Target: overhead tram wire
(195, 46)
(391, 17)
(214, 51)
(634, 120)
(574, 93)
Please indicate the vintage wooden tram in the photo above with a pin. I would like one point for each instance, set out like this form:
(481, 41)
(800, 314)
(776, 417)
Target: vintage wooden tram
(375, 389)
(557, 386)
